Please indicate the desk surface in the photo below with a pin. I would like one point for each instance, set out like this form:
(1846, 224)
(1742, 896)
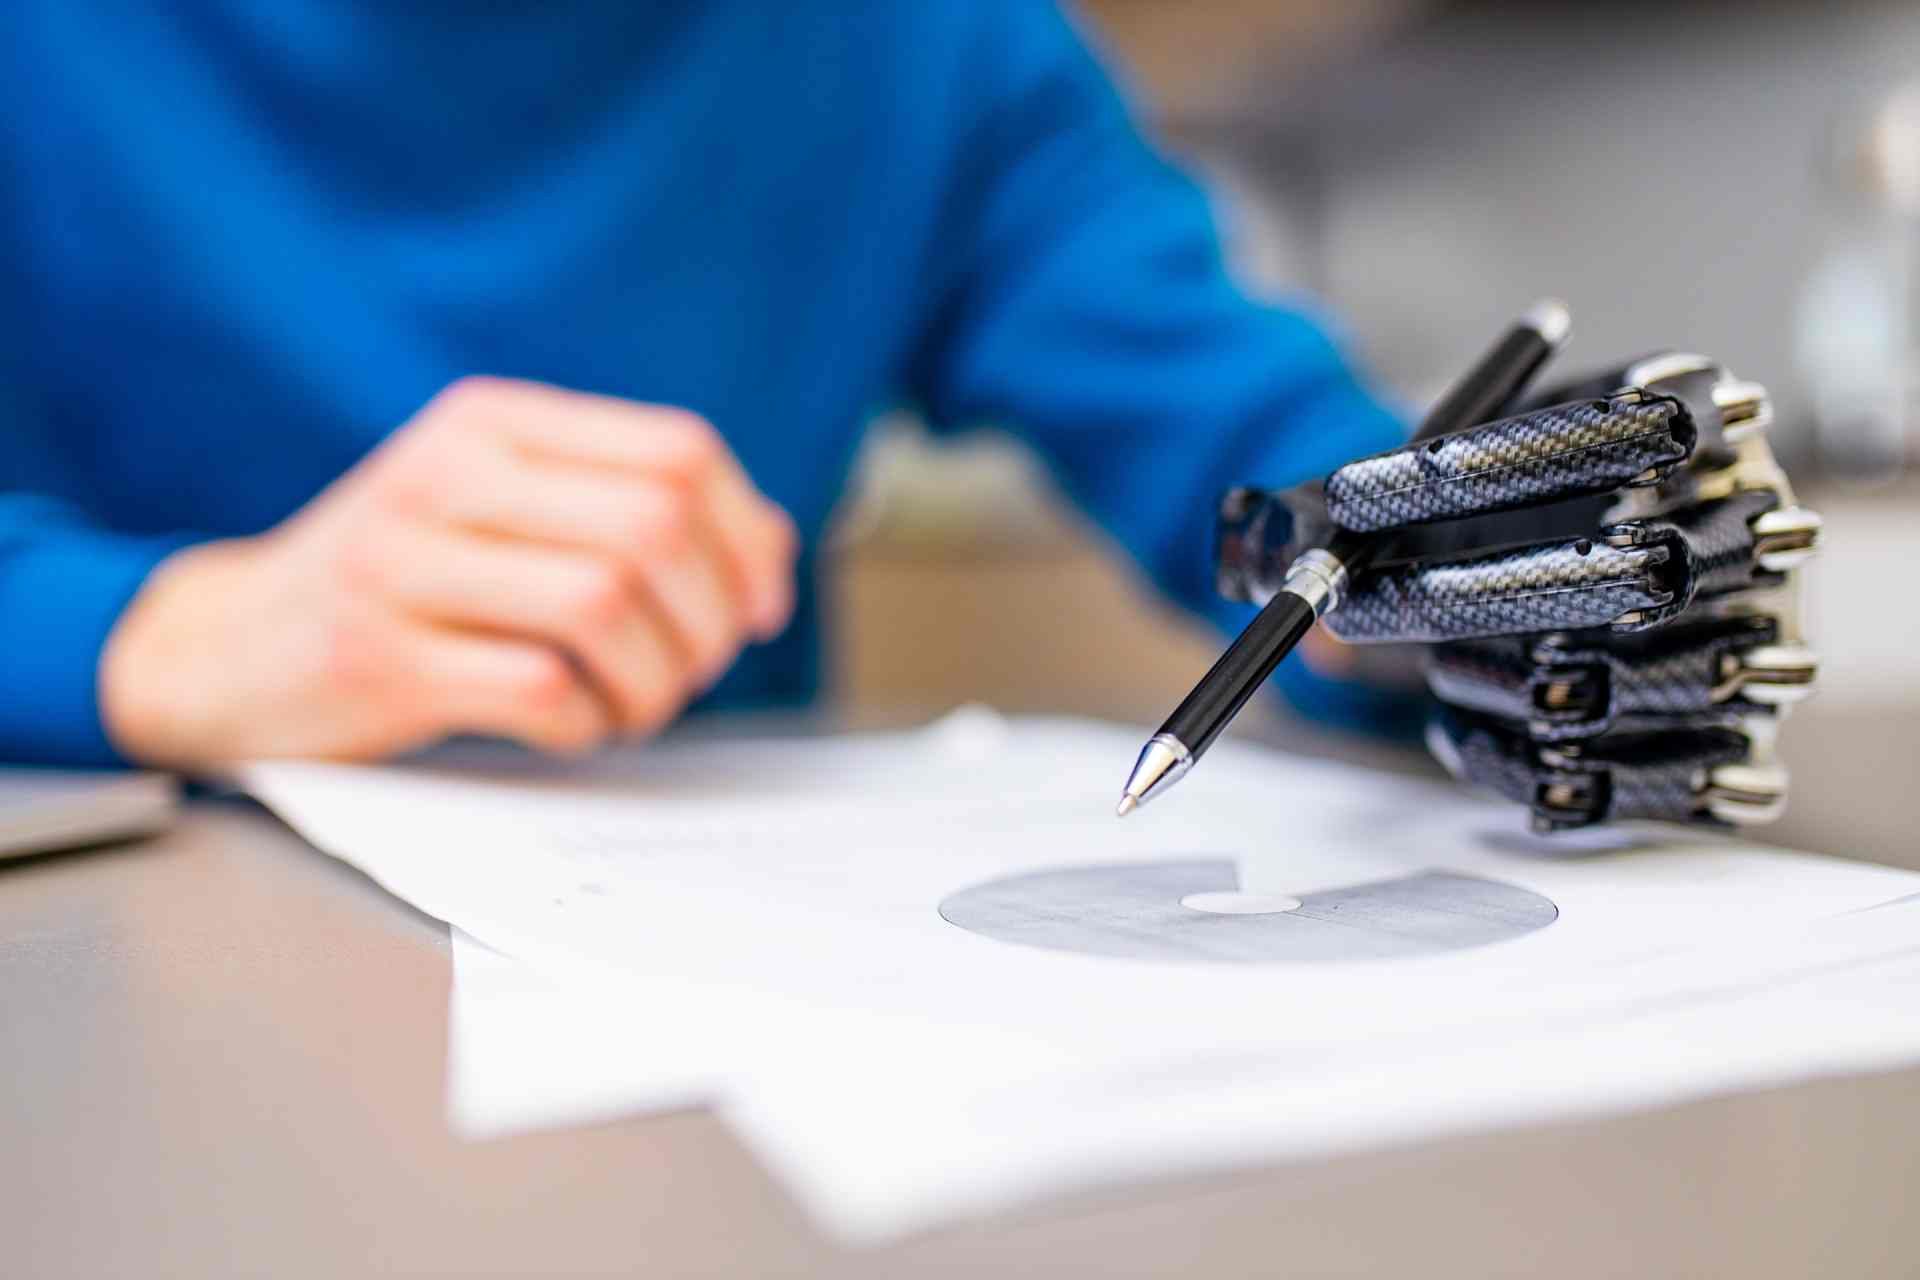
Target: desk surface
(225, 1055)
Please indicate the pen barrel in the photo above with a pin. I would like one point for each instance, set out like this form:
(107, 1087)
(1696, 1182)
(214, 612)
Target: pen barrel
(1241, 670)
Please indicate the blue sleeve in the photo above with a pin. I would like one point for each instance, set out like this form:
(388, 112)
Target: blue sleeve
(63, 583)
(1091, 311)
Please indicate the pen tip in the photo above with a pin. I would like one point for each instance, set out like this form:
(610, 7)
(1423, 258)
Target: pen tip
(1125, 807)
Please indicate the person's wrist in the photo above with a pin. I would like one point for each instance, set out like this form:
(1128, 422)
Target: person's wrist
(156, 705)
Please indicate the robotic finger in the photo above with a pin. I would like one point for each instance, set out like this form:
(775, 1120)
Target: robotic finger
(1545, 455)
(1572, 686)
(1719, 774)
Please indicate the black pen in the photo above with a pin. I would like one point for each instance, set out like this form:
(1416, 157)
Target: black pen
(1317, 576)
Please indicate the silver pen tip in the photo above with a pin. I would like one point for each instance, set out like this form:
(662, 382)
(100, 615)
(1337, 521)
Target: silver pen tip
(1161, 763)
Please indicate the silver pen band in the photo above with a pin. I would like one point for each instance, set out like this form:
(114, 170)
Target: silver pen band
(1318, 578)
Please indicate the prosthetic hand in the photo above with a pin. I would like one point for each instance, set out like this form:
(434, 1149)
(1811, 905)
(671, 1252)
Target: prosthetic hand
(1607, 578)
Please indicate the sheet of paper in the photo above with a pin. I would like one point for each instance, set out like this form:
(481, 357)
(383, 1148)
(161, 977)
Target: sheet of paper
(530, 1051)
(815, 872)
(763, 921)
(906, 1134)
(885, 1152)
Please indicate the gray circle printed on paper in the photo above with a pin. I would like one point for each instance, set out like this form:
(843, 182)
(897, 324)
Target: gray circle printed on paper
(1134, 911)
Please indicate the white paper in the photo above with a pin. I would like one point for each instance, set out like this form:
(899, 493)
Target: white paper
(757, 922)
(889, 1152)
(812, 872)
(879, 1134)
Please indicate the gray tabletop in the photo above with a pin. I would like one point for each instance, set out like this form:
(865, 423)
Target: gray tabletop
(225, 1055)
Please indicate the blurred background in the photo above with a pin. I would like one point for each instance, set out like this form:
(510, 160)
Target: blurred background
(1740, 179)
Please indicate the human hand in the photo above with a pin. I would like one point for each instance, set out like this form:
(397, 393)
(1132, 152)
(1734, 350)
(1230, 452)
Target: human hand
(517, 561)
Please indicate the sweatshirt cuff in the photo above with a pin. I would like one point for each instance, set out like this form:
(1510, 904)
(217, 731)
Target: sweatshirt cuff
(61, 591)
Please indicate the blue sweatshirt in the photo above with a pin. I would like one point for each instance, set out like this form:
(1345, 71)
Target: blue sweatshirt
(242, 240)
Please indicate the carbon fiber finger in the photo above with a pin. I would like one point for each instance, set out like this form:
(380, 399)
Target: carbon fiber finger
(1643, 573)
(1553, 586)
(1721, 407)
(1566, 687)
(1675, 776)
(1548, 455)
(1712, 549)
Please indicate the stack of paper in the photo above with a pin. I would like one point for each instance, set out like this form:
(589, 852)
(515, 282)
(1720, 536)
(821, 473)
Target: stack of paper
(759, 925)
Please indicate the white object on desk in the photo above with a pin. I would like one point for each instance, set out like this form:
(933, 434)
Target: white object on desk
(47, 811)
